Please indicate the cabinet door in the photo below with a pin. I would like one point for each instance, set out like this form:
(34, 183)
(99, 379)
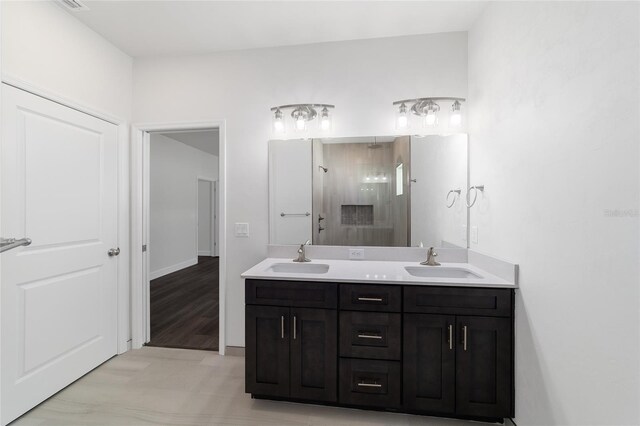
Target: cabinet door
(314, 354)
(267, 351)
(484, 367)
(429, 363)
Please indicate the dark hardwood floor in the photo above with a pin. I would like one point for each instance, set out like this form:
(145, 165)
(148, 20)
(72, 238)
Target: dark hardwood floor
(184, 307)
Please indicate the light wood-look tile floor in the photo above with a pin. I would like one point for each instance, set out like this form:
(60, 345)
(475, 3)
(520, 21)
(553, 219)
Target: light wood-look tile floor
(160, 386)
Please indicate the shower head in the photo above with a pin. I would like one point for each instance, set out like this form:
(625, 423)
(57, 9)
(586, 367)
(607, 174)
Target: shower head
(324, 169)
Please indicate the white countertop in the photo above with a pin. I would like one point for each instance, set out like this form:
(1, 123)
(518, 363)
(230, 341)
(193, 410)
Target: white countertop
(379, 272)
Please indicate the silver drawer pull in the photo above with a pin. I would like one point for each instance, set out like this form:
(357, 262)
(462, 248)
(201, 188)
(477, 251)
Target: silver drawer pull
(370, 299)
(369, 336)
(282, 326)
(369, 385)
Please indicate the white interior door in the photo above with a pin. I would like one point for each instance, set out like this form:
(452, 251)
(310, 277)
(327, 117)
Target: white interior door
(58, 303)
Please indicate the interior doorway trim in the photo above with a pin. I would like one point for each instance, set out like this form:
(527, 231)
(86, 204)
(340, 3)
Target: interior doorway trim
(140, 132)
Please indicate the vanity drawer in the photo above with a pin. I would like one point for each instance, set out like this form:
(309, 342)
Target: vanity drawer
(462, 301)
(370, 335)
(370, 383)
(377, 298)
(291, 293)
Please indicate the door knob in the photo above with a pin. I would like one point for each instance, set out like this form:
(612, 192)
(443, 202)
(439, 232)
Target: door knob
(114, 252)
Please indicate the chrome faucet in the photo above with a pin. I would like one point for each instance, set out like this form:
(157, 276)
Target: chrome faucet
(302, 257)
(431, 258)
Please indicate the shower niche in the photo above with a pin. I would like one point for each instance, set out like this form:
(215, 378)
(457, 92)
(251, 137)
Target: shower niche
(369, 191)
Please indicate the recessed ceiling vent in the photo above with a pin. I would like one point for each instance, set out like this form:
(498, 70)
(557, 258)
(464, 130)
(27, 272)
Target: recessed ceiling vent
(74, 5)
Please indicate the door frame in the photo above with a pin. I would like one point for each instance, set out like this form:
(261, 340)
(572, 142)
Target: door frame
(140, 313)
(212, 212)
(123, 265)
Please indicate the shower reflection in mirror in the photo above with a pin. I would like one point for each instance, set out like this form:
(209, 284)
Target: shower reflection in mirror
(370, 191)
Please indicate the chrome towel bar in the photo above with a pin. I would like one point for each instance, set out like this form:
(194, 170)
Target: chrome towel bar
(295, 214)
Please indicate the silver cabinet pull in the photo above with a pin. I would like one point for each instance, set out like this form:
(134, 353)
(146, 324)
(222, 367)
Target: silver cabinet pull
(450, 337)
(370, 299)
(11, 243)
(114, 252)
(369, 385)
(294, 327)
(369, 336)
(282, 326)
(464, 339)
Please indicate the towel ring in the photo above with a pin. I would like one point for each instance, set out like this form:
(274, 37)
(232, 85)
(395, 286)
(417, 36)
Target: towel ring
(456, 195)
(475, 190)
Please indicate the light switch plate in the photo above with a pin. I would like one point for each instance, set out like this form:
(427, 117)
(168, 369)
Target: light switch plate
(474, 234)
(242, 230)
(356, 254)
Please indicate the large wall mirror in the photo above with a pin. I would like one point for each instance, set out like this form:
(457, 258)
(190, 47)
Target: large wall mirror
(369, 191)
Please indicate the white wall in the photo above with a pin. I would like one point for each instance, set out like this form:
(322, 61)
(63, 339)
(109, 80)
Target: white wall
(205, 230)
(50, 49)
(554, 131)
(362, 78)
(173, 203)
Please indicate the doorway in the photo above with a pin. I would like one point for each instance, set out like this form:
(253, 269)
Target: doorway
(176, 301)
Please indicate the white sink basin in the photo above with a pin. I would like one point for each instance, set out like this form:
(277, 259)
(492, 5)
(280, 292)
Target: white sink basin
(440, 272)
(300, 268)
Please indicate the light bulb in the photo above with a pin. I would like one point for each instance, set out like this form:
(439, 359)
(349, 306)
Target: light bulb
(278, 122)
(301, 124)
(455, 119)
(402, 120)
(430, 112)
(325, 120)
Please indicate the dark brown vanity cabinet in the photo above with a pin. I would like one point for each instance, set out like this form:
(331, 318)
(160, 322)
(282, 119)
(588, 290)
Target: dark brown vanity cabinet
(455, 361)
(419, 349)
(291, 350)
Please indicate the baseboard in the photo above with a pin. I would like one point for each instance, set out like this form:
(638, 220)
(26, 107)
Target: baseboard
(234, 351)
(204, 253)
(173, 268)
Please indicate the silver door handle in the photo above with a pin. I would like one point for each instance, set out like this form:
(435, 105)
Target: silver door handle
(450, 337)
(464, 339)
(282, 326)
(294, 327)
(114, 252)
(11, 243)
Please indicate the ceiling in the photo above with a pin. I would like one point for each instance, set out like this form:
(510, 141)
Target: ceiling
(178, 27)
(205, 140)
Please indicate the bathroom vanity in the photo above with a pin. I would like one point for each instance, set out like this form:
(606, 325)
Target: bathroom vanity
(382, 335)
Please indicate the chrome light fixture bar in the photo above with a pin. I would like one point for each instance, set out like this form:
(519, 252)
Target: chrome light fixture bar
(428, 109)
(302, 114)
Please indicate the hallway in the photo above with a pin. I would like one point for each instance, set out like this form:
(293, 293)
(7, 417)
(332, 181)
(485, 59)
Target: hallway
(184, 307)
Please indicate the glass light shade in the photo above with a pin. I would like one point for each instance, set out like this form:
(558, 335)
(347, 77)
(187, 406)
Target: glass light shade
(455, 117)
(301, 124)
(325, 120)
(431, 119)
(402, 118)
(278, 122)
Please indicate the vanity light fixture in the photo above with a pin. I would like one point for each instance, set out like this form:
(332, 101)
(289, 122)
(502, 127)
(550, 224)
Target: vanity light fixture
(428, 109)
(302, 114)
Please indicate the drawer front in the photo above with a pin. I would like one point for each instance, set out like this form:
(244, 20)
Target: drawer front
(377, 298)
(461, 301)
(291, 293)
(370, 335)
(370, 383)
